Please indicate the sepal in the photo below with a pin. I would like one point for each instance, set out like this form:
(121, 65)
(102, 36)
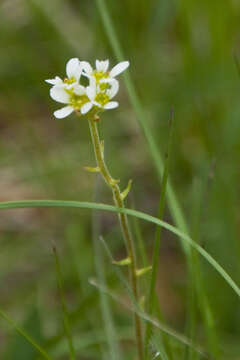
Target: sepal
(143, 271)
(114, 181)
(124, 262)
(92, 169)
(125, 192)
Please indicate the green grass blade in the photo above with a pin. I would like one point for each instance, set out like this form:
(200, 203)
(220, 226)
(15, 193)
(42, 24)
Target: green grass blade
(156, 249)
(205, 309)
(173, 203)
(64, 306)
(140, 242)
(96, 206)
(158, 347)
(25, 335)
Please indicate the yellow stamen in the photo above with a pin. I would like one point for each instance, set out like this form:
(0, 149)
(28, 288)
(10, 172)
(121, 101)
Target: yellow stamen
(99, 75)
(69, 81)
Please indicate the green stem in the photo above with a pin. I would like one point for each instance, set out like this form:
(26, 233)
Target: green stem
(122, 219)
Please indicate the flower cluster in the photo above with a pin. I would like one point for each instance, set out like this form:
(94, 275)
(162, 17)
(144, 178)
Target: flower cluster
(96, 96)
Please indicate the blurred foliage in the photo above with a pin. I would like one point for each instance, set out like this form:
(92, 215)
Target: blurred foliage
(182, 56)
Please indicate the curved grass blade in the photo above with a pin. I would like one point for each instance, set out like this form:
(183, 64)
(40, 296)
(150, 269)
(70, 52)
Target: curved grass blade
(96, 206)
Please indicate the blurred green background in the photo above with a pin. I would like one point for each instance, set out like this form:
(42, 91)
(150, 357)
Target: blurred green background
(183, 56)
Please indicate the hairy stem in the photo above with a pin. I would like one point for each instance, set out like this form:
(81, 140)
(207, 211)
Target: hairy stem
(118, 200)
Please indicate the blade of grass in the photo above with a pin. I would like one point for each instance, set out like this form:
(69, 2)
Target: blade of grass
(88, 205)
(145, 262)
(25, 335)
(191, 314)
(140, 241)
(157, 345)
(205, 308)
(156, 249)
(64, 306)
(173, 203)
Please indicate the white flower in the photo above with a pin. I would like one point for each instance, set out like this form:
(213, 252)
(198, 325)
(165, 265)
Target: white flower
(101, 72)
(101, 99)
(69, 91)
(96, 97)
(73, 70)
(75, 98)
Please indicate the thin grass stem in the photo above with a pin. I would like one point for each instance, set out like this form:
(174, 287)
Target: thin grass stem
(66, 320)
(157, 243)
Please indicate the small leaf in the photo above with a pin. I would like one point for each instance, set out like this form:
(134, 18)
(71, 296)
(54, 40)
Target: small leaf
(114, 181)
(143, 271)
(92, 169)
(125, 192)
(126, 261)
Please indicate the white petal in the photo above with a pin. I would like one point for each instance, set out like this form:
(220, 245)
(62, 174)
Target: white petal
(92, 82)
(62, 113)
(111, 105)
(114, 89)
(56, 81)
(119, 68)
(91, 92)
(98, 65)
(69, 86)
(86, 107)
(107, 80)
(59, 94)
(102, 65)
(79, 90)
(73, 69)
(86, 67)
(105, 65)
(97, 104)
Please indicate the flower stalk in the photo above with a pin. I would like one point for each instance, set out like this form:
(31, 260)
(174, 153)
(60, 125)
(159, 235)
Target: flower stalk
(119, 202)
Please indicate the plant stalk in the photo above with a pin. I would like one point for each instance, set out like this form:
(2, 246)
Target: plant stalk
(119, 202)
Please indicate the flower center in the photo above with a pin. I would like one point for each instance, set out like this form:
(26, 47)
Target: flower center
(77, 101)
(104, 86)
(102, 99)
